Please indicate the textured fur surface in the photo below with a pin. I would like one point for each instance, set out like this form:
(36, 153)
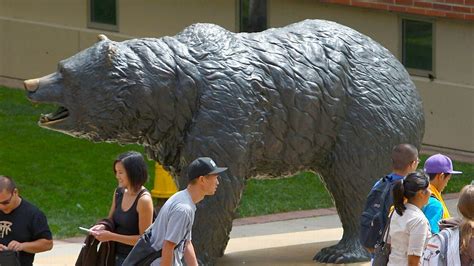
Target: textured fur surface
(314, 95)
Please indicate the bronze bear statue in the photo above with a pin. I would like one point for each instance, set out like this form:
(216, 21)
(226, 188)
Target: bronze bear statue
(314, 95)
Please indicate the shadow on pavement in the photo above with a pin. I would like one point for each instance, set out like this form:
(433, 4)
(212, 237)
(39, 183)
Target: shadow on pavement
(289, 255)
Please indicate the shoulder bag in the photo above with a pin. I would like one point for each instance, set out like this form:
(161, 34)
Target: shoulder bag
(10, 258)
(382, 248)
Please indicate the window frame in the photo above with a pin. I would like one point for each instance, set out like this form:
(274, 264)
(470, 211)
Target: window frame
(415, 71)
(102, 26)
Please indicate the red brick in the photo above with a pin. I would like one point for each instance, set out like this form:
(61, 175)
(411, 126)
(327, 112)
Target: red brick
(469, 17)
(418, 11)
(461, 9)
(342, 2)
(400, 9)
(469, 2)
(442, 7)
(361, 3)
(423, 4)
(435, 13)
(461, 2)
(404, 2)
(379, 6)
(386, 1)
(454, 15)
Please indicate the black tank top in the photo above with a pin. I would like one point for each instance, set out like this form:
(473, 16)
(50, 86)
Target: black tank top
(126, 222)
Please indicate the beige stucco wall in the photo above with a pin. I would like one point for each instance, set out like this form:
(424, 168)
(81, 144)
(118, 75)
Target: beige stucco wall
(449, 113)
(70, 13)
(448, 100)
(455, 51)
(168, 17)
(36, 34)
(382, 28)
(135, 17)
(31, 49)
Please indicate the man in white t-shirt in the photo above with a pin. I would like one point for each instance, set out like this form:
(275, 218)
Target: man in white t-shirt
(171, 231)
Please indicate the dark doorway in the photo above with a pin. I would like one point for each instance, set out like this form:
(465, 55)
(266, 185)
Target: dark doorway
(253, 15)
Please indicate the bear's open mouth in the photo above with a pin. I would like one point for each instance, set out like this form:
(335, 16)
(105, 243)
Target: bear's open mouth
(60, 114)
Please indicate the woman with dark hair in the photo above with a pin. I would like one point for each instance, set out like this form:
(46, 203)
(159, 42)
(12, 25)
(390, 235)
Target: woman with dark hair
(132, 206)
(409, 228)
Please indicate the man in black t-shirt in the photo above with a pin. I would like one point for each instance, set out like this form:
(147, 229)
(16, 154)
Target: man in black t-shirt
(23, 227)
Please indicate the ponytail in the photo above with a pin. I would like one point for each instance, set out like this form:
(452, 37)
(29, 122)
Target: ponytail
(398, 197)
(407, 188)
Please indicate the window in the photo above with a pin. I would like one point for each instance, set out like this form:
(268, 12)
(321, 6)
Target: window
(417, 47)
(252, 15)
(103, 14)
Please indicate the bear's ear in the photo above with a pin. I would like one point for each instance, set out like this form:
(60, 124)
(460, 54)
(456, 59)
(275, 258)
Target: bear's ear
(111, 51)
(102, 37)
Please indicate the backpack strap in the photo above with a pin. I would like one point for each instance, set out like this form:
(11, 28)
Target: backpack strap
(388, 188)
(444, 237)
(386, 196)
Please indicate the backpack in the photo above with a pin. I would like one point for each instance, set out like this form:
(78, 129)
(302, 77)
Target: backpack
(375, 214)
(436, 250)
(143, 253)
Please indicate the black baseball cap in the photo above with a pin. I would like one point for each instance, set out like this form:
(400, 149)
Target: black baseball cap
(203, 166)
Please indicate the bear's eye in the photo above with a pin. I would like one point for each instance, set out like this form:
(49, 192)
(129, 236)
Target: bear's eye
(62, 70)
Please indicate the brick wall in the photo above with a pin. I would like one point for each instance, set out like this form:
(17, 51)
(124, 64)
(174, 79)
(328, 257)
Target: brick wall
(453, 9)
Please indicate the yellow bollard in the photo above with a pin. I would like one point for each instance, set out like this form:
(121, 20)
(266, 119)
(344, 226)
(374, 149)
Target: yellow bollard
(164, 186)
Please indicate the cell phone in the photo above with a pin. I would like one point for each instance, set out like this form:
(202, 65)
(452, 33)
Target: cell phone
(85, 230)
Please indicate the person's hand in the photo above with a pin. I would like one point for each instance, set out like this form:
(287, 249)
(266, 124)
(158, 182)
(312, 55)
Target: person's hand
(3, 247)
(102, 235)
(15, 245)
(98, 227)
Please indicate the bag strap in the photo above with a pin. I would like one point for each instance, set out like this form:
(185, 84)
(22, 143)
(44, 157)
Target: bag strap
(118, 193)
(387, 228)
(141, 193)
(152, 257)
(387, 189)
(386, 194)
(444, 236)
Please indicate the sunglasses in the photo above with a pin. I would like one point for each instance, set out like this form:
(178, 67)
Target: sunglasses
(6, 202)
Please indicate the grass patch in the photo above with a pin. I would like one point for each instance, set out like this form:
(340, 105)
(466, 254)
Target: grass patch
(72, 181)
(303, 191)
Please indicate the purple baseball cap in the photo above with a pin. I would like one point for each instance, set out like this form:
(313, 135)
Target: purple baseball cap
(439, 163)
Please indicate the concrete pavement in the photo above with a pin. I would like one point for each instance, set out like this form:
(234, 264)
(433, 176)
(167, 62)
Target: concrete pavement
(285, 242)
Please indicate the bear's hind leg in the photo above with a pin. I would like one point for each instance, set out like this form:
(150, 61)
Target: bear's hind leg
(348, 190)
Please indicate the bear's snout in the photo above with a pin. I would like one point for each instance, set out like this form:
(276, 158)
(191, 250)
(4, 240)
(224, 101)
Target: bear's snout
(31, 84)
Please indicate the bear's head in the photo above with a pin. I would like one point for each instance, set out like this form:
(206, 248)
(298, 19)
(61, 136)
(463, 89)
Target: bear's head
(112, 91)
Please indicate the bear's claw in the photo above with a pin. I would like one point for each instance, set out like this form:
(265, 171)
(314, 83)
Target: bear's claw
(342, 253)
